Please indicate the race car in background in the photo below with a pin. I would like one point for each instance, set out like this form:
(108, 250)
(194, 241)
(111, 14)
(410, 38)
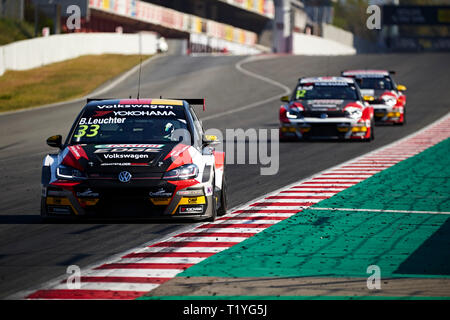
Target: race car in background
(326, 107)
(135, 158)
(388, 101)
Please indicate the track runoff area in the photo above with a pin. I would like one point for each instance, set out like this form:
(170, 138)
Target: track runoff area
(383, 211)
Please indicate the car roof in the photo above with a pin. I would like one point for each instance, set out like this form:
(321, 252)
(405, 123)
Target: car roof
(326, 79)
(368, 72)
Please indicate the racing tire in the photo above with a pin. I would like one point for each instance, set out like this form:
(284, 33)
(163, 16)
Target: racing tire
(404, 119)
(372, 132)
(223, 198)
(214, 204)
(44, 216)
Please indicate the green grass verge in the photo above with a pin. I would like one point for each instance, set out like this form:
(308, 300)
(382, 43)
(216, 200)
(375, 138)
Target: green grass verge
(61, 81)
(14, 30)
(331, 243)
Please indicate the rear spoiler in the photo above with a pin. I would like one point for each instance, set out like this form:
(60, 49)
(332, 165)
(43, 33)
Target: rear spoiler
(197, 102)
(97, 99)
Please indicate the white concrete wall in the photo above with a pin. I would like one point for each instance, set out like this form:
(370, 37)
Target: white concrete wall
(2, 66)
(219, 44)
(37, 52)
(311, 45)
(337, 34)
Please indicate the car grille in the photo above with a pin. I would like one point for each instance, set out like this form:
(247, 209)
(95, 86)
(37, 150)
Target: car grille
(126, 202)
(318, 114)
(324, 130)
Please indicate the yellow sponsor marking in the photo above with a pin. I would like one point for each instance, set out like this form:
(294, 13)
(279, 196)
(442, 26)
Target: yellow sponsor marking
(58, 201)
(168, 102)
(88, 202)
(444, 15)
(160, 201)
(190, 200)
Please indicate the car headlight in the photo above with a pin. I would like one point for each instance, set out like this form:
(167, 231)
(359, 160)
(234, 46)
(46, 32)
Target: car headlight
(188, 171)
(294, 113)
(291, 115)
(68, 173)
(389, 101)
(354, 113)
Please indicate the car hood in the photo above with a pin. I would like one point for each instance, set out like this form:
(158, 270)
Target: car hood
(101, 158)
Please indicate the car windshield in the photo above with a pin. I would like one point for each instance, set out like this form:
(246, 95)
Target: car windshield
(375, 83)
(141, 123)
(325, 91)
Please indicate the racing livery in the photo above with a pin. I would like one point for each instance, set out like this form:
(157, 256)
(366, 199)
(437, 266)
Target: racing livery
(388, 98)
(135, 158)
(326, 107)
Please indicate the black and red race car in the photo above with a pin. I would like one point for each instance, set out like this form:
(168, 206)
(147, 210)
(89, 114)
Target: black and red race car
(389, 101)
(327, 108)
(135, 158)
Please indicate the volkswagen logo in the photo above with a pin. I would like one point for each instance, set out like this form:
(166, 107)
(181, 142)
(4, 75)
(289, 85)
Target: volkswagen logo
(124, 176)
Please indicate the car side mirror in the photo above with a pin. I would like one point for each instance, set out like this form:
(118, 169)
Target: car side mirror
(55, 141)
(210, 139)
(285, 99)
(368, 98)
(401, 87)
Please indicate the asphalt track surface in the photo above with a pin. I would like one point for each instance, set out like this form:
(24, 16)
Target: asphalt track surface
(32, 252)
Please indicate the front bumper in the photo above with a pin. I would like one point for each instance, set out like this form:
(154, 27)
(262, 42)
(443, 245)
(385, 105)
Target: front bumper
(388, 114)
(162, 201)
(339, 128)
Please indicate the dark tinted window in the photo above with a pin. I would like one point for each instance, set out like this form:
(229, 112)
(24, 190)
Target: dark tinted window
(325, 91)
(122, 124)
(375, 83)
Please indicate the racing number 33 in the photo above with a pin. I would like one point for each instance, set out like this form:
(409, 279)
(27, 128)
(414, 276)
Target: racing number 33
(93, 130)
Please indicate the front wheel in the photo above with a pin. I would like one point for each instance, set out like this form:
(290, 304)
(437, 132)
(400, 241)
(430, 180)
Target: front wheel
(214, 202)
(223, 198)
(372, 132)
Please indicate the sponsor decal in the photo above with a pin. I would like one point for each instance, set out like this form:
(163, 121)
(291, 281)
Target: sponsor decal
(191, 209)
(326, 101)
(104, 146)
(116, 164)
(125, 156)
(209, 190)
(138, 106)
(332, 83)
(101, 113)
(110, 120)
(160, 193)
(192, 200)
(115, 150)
(138, 113)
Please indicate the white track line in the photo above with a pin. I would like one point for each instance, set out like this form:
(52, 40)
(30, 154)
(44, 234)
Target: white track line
(380, 210)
